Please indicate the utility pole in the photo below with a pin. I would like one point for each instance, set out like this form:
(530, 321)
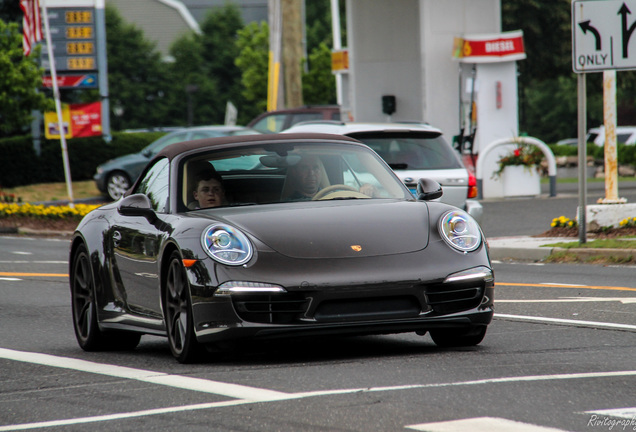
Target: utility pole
(274, 81)
(292, 51)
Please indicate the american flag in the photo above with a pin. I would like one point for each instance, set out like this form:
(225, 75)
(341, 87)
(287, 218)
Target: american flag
(31, 24)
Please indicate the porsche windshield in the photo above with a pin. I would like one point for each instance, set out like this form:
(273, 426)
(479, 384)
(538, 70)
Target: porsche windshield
(277, 173)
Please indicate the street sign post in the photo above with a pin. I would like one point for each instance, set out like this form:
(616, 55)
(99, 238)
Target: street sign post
(601, 42)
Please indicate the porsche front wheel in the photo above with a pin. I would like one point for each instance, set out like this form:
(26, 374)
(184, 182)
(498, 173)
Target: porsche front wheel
(458, 337)
(178, 313)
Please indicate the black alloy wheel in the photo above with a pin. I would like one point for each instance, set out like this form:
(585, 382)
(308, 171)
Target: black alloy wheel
(178, 313)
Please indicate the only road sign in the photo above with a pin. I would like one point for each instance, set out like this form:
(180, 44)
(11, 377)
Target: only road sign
(602, 35)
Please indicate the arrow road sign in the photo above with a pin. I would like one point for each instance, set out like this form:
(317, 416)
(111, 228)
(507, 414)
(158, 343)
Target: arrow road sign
(601, 35)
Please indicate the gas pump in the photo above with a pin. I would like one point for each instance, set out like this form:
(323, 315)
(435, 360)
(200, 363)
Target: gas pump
(463, 142)
(488, 100)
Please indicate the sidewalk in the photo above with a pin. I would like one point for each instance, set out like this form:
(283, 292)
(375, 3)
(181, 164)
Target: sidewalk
(526, 248)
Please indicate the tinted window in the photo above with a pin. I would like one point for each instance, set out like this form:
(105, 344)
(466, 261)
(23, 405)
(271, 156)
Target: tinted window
(408, 152)
(205, 134)
(158, 145)
(155, 185)
(301, 117)
(622, 138)
(270, 124)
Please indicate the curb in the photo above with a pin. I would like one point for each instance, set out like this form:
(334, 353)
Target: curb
(541, 253)
(605, 252)
(29, 231)
(526, 254)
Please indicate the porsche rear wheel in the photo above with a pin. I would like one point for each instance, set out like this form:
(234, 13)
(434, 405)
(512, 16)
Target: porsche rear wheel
(458, 337)
(87, 332)
(178, 313)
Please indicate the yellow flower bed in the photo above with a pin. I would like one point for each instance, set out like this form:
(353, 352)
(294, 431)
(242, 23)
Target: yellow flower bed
(46, 212)
(562, 221)
(629, 222)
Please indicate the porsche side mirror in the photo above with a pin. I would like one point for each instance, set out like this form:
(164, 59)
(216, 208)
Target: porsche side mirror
(428, 189)
(137, 205)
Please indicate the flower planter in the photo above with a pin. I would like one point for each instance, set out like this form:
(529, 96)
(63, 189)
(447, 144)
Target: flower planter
(521, 180)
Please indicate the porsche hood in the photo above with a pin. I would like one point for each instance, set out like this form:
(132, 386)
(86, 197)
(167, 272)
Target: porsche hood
(337, 229)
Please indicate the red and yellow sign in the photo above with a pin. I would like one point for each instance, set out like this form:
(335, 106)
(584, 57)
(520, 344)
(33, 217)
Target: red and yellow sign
(490, 48)
(85, 120)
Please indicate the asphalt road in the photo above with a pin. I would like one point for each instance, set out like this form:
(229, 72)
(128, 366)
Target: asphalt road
(529, 216)
(559, 354)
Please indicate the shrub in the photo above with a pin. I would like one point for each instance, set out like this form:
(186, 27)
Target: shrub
(20, 165)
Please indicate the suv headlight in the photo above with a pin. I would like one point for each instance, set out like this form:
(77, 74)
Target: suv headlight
(226, 244)
(460, 230)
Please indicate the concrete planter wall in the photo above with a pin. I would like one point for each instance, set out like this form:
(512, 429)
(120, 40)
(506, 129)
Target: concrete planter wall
(521, 180)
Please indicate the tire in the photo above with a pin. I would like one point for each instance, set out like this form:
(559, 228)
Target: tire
(458, 337)
(178, 313)
(87, 332)
(117, 184)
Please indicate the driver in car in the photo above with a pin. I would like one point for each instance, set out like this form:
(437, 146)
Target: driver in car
(309, 177)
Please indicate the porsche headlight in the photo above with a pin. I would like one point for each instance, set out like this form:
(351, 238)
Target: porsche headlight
(460, 230)
(226, 244)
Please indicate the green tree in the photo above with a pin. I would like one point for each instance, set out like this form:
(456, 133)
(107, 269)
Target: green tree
(319, 84)
(547, 85)
(137, 77)
(21, 79)
(212, 76)
(220, 51)
(196, 90)
(252, 60)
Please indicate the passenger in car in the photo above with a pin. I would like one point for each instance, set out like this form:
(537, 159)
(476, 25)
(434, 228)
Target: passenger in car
(209, 190)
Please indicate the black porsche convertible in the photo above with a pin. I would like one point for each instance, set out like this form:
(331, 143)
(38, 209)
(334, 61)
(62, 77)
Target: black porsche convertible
(295, 235)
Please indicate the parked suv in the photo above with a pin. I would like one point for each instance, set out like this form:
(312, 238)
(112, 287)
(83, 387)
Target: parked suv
(413, 151)
(276, 121)
(624, 135)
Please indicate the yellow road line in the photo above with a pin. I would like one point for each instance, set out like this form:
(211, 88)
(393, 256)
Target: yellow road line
(593, 287)
(34, 274)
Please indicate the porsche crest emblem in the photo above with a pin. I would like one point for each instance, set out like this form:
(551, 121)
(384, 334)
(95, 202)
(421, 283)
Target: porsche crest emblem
(356, 248)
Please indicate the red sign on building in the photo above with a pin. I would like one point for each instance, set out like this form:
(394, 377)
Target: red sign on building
(490, 48)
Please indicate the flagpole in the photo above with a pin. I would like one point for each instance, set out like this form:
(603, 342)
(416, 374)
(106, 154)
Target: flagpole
(58, 105)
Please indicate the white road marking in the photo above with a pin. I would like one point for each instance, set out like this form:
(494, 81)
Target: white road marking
(33, 262)
(624, 300)
(245, 395)
(481, 424)
(626, 413)
(21, 253)
(177, 381)
(575, 323)
(119, 416)
(10, 279)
